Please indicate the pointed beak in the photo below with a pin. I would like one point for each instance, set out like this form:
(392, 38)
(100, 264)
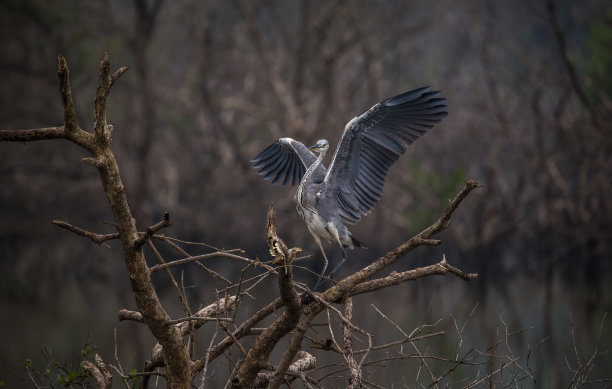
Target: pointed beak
(314, 147)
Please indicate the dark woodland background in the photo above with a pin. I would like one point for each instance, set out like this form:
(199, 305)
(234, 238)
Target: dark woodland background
(212, 83)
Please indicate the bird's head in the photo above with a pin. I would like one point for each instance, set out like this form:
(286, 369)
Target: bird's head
(321, 145)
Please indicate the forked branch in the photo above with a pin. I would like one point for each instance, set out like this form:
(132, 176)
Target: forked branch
(98, 144)
(347, 286)
(311, 305)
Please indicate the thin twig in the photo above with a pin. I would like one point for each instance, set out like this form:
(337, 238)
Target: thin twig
(165, 222)
(423, 361)
(207, 357)
(189, 259)
(97, 238)
(200, 318)
(179, 294)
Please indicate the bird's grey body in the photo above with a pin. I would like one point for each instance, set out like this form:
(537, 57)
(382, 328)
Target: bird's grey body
(370, 144)
(310, 198)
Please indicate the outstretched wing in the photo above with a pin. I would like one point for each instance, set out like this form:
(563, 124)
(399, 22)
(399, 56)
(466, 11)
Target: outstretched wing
(372, 142)
(286, 160)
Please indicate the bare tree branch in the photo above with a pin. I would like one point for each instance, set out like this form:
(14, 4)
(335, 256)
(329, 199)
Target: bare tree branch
(355, 380)
(32, 135)
(395, 278)
(292, 350)
(97, 238)
(165, 222)
(284, 257)
(178, 363)
(189, 259)
(125, 314)
(99, 371)
(304, 362)
(344, 287)
(257, 356)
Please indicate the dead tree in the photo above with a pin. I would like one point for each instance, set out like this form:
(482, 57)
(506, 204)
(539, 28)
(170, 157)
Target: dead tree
(173, 357)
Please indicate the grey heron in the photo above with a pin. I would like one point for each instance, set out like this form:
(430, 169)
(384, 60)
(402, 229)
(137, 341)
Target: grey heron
(353, 183)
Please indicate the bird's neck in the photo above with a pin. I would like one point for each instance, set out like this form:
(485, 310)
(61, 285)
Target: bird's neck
(301, 193)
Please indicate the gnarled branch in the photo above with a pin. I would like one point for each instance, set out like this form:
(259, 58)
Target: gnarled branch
(178, 362)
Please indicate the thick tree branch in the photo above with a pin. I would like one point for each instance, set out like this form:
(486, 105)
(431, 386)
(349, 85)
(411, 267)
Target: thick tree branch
(176, 356)
(239, 333)
(304, 362)
(284, 257)
(104, 83)
(292, 349)
(99, 371)
(70, 129)
(210, 311)
(177, 360)
(296, 314)
(94, 162)
(70, 120)
(71, 126)
(395, 278)
(125, 314)
(355, 380)
(257, 356)
(32, 135)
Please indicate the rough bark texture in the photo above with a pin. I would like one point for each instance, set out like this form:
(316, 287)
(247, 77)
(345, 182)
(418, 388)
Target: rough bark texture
(257, 357)
(177, 360)
(99, 371)
(178, 363)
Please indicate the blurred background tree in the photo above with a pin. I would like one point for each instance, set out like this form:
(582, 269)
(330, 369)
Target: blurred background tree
(212, 83)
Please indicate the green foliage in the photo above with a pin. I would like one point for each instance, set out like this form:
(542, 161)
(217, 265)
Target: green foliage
(439, 189)
(58, 374)
(87, 351)
(133, 382)
(599, 63)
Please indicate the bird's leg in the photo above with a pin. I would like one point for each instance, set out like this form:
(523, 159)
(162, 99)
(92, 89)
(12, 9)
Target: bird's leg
(335, 259)
(342, 260)
(326, 262)
(335, 269)
(318, 240)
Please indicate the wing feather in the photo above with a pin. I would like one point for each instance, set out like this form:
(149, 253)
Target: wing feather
(271, 169)
(370, 145)
(286, 161)
(289, 171)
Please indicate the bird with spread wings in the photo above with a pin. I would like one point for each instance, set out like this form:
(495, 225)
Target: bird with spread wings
(353, 183)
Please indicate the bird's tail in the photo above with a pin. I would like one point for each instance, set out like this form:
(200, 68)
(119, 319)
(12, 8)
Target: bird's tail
(357, 243)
